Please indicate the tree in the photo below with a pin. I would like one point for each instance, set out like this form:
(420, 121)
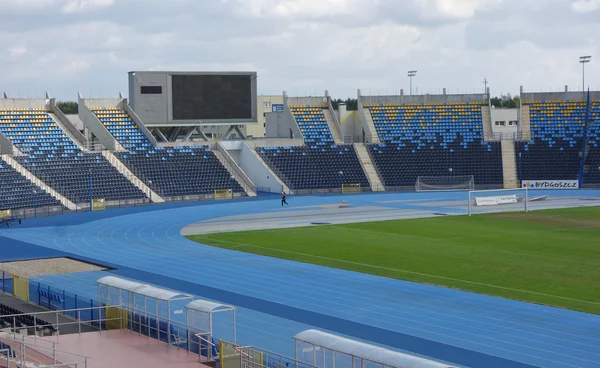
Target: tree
(505, 101)
(351, 103)
(68, 107)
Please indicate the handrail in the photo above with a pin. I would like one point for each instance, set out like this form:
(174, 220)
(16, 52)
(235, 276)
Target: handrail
(199, 336)
(238, 172)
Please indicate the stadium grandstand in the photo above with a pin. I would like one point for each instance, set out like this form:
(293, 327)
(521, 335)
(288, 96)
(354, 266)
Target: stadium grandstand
(152, 148)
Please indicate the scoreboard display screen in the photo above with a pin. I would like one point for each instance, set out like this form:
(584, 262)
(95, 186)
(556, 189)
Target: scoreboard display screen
(207, 97)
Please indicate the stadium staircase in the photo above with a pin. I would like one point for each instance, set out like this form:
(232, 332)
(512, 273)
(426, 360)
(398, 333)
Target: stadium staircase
(368, 167)
(168, 170)
(554, 151)
(371, 126)
(24, 185)
(509, 166)
(52, 157)
(337, 137)
(320, 163)
(63, 122)
(429, 140)
(120, 167)
(486, 119)
(234, 170)
(525, 123)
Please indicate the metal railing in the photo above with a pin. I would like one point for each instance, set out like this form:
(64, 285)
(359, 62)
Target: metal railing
(22, 351)
(142, 322)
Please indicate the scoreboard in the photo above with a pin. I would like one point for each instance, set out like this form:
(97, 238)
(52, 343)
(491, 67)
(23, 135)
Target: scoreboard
(193, 98)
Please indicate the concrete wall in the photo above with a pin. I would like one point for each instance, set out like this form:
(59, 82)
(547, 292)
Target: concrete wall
(151, 108)
(124, 105)
(75, 121)
(282, 125)
(351, 126)
(6, 146)
(417, 99)
(100, 102)
(317, 100)
(261, 176)
(275, 142)
(505, 115)
(24, 103)
(557, 96)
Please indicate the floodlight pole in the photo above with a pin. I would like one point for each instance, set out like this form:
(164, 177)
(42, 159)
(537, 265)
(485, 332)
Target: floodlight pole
(583, 60)
(411, 73)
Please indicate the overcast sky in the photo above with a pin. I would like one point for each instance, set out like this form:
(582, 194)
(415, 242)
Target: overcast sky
(301, 46)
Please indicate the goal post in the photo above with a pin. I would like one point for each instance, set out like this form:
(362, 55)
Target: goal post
(444, 183)
(350, 188)
(221, 194)
(498, 200)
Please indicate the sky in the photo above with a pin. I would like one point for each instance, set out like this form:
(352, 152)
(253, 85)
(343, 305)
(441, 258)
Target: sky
(301, 46)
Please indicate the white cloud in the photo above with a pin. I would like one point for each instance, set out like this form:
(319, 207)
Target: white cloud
(82, 6)
(586, 6)
(301, 46)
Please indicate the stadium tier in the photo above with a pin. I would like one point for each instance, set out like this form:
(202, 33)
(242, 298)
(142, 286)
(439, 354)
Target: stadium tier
(170, 171)
(431, 139)
(313, 125)
(53, 157)
(554, 151)
(592, 158)
(320, 163)
(16, 191)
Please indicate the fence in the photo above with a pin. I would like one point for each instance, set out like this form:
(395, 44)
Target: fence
(46, 296)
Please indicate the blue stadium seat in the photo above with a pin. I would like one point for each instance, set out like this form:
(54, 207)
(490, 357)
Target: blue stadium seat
(16, 191)
(54, 158)
(429, 139)
(554, 152)
(319, 162)
(178, 170)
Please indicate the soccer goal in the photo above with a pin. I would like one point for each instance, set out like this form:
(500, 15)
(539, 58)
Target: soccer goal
(444, 183)
(498, 200)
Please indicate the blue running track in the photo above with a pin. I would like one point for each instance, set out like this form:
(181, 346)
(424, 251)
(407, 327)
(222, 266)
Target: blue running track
(277, 298)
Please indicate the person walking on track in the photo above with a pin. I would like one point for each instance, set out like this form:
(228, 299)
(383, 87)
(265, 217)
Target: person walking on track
(283, 201)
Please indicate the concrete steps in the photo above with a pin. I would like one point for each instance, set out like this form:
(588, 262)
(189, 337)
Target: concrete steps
(371, 126)
(486, 118)
(37, 181)
(509, 165)
(525, 123)
(120, 167)
(272, 174)
(368, 167)
(335, 132)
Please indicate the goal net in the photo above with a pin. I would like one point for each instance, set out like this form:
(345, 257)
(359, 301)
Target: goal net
(499, 200)
(444, 183)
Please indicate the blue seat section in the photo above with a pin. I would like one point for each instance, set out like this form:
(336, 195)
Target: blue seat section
(554, 152)
(591, 175)
(313, 125)
(429, 139)
(16, 191)
(305, 167)
(318, 163)
(177, 170)
(53, 157)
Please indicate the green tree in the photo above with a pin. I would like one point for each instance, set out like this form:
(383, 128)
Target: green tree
(505, 101)
(351, 103)
(68, 107)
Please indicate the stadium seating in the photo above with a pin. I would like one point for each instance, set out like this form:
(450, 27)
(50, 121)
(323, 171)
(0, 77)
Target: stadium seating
(429, 140)
(313, 125)
(554, 152)
(178, 170)
(16, 191)
(592, 159)
(53, 157)
(319, 162)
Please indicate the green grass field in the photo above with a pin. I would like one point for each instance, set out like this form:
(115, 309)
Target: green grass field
(548, 257)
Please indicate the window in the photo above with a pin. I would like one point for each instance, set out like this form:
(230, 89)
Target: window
(513, 122)
(266, 104)
(151, 90)
(500, 123)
